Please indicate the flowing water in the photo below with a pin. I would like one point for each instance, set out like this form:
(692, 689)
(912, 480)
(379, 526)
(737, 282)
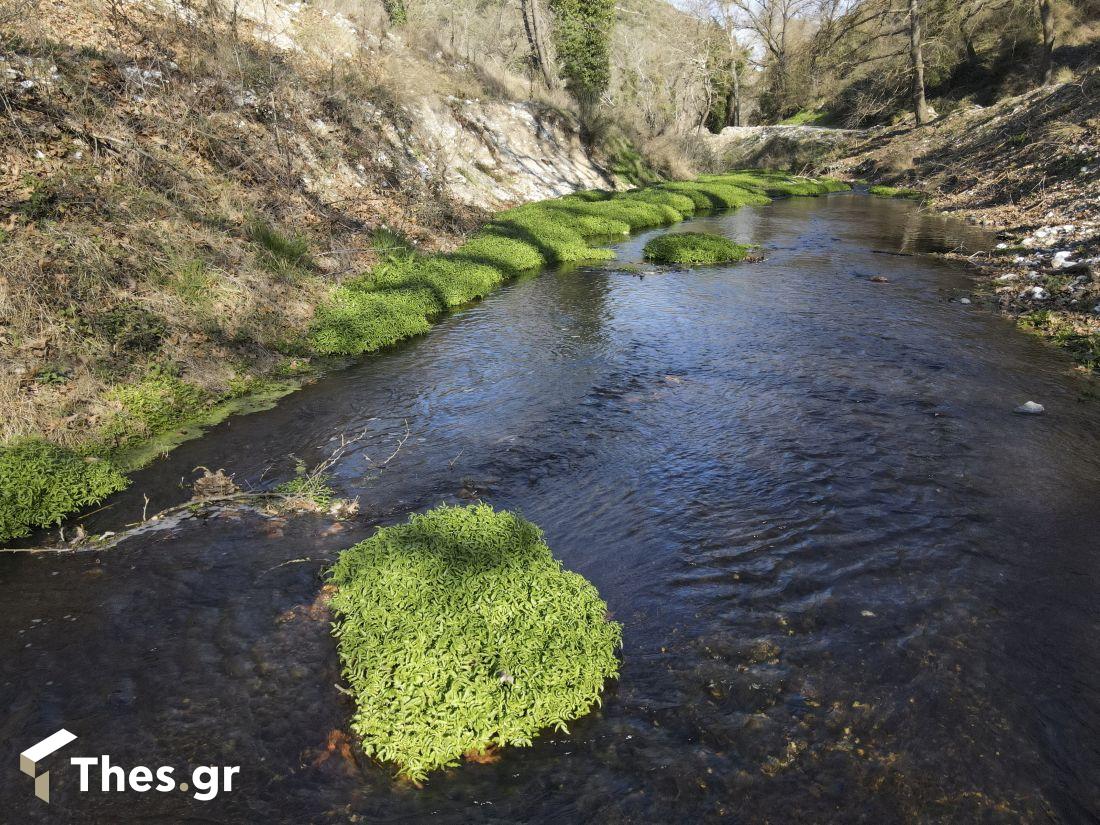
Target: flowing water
(853, 585)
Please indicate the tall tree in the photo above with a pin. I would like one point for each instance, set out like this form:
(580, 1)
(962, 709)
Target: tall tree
(582, 37)
(916, 60)
(536, 39)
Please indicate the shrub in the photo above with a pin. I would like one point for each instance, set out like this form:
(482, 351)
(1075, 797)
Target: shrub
(459, 631)
(894, 192)
(693, 248)
(41, 483)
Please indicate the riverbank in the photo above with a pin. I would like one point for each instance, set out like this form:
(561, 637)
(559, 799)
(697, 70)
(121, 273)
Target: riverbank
(1028, 167)
(398, 298)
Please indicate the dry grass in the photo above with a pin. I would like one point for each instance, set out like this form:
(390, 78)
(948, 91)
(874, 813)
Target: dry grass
(137, 152)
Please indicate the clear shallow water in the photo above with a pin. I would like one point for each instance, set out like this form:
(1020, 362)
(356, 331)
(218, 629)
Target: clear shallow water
(854, 586)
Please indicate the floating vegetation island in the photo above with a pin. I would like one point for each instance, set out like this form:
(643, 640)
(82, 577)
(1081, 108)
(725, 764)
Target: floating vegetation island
(459, 632)
(692, 248)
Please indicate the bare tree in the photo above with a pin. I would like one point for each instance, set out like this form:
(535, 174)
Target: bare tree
(536, 39)
(916, 60)
(773, 22)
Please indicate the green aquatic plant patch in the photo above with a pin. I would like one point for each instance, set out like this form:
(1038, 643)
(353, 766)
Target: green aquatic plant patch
(402, 296)
(693, 248)
(458, 631)
(894, 192)
(41, 483)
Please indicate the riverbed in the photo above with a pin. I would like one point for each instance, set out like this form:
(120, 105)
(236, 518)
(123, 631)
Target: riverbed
(853, 584)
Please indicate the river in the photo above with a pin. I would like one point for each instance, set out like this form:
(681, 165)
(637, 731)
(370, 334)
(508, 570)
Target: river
(854, 586)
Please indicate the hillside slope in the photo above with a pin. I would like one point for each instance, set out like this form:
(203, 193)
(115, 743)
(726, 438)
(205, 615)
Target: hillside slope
(180, 190)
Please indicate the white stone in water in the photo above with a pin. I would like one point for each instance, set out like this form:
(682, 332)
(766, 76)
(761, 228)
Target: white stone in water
(964, 300)
(1008, 276)
(1030, 408)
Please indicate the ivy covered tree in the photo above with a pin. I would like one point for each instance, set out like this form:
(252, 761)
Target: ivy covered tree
(582, 38)
(396, 12)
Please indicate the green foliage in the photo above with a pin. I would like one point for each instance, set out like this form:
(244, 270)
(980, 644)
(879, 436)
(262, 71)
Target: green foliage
(893, 192)
(402, 294)
(693, 248)
(355, 321)
(458, 631)
(396, 12)
(804, 117)
(281, 254)
(151, 406)
(627, 163)
(582, 39)
(311, 487)
(40, 483)
(778, 184)
(714, 194)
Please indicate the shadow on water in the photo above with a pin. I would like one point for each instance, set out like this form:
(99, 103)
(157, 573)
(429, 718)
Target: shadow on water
(854, 587)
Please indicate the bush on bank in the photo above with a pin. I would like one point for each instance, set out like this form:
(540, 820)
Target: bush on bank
(459, 631)
(694, 248)
(41, 483)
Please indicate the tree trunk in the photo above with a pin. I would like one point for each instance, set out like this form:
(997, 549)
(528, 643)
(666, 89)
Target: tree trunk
(532, 24)
(1046, 70)
(916, 57)
(733, 101)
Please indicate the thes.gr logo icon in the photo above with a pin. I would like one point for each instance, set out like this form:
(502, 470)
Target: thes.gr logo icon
(29, 759)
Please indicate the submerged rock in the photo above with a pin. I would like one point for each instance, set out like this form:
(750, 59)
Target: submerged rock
(1030, 408)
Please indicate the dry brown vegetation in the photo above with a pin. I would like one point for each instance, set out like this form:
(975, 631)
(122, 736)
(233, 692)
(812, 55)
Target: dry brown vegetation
(179, 193)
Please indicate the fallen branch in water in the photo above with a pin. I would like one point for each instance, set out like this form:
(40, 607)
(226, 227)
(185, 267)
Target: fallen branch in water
(307, 492)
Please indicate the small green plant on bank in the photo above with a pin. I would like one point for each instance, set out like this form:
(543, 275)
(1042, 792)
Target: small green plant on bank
(459, 631)
(693, 248)
(311, 488)
(280, 253)
(894, 192)
(1083, 347)
(805, 117)
(155, 404)
(41, 483)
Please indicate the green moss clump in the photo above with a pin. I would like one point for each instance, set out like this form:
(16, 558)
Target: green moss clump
(459, 631)
(894, 192)
(40, 483)
(693, 248)
(354, 321)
